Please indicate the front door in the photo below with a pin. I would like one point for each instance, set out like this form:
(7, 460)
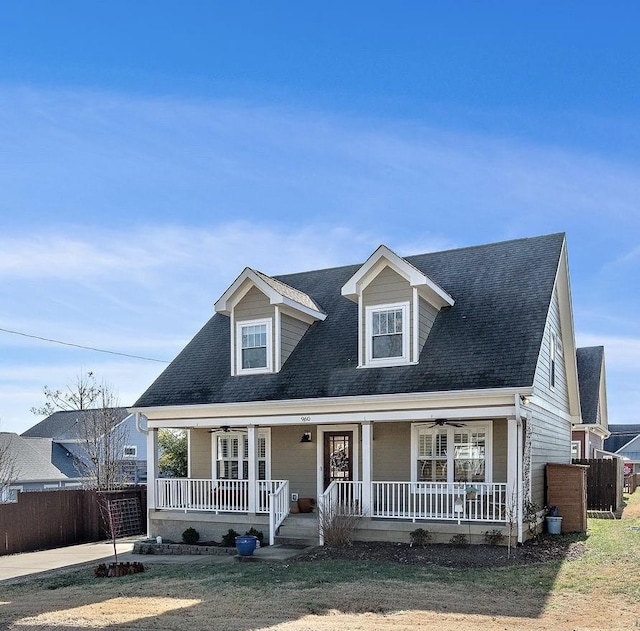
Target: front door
(338, 457)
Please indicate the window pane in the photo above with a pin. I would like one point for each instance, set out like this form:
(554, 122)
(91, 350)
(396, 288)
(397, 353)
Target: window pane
(254, 358)
(432, 470)
(387, 346)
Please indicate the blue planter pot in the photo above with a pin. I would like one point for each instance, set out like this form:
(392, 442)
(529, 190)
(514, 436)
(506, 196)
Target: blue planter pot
(245, 545)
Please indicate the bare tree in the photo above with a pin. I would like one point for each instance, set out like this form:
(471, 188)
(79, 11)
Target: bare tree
(79, 395)
(7, 465)
(102, 441)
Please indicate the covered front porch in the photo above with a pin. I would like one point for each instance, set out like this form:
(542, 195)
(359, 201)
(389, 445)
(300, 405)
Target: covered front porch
(463, 472)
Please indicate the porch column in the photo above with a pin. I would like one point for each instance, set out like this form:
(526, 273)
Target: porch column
(367, 461)
(252, 438)
(152, 468)
(512, 500)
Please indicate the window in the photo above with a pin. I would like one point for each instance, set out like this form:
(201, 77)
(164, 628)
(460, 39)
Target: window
(130, 451)
(452, 454)
(576, 448)
(387, 331)
(254, 346)
(232, 456)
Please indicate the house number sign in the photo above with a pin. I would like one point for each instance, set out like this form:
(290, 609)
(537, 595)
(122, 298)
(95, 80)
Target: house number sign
(305, 419)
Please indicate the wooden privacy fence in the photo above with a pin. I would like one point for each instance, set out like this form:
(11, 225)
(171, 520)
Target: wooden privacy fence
(41, 520)
(604, 484)
(631, 482)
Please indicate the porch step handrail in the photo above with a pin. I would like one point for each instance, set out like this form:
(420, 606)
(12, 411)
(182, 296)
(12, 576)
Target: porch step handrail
(278, 508)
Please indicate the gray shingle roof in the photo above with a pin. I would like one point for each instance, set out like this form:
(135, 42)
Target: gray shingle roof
(490, 338)
(31, 457)
(64, 424)
(621, 434)
(589, 360)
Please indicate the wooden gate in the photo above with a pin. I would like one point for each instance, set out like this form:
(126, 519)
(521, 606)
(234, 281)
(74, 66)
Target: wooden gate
(603, 484)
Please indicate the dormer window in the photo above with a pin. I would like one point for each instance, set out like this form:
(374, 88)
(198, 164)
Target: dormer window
(254, 346)
(388, 334)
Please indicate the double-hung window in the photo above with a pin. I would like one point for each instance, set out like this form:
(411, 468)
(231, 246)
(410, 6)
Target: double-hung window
(387, 334)
(232, 456)
(253, 342)
(452, 454)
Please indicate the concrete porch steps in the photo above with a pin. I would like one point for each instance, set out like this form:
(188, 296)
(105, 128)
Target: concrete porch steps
(298, 530)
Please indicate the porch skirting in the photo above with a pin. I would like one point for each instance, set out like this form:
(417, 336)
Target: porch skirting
(171, 524)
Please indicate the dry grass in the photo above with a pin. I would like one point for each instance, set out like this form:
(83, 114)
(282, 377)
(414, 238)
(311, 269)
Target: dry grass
(601, 590)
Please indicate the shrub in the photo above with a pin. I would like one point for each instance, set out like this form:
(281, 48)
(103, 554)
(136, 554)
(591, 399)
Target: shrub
(229, 540)
(258, 534)
(459, 540)
(493, 537)
(190, 536)
(420, 537)
(338, 526)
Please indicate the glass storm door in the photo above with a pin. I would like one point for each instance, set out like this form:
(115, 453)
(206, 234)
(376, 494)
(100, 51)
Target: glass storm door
(338, 462)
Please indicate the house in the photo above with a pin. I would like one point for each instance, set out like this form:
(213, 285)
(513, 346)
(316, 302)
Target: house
(34, 464)
(429, 391)
(625, 441)
(68, 429)
(588, 435)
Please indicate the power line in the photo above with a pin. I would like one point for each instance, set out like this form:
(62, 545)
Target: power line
(87, 348)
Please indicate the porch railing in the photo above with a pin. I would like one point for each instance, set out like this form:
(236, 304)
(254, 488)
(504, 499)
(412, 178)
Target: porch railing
(457, 501)
(223, 496)
(278, 508)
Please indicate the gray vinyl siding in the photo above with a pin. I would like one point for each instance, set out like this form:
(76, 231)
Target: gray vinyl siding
(253, 306)
(295, 461)
(392, 452)
(426, 319)
(292, 331)
(200, 453)
(388, 288)
(500, 450)
(550, 433)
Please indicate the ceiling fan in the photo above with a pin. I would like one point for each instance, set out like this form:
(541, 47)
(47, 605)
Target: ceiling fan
(441, 422)
(225, 429)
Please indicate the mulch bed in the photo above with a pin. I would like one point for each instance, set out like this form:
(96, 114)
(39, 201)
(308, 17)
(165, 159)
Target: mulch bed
(447, 555)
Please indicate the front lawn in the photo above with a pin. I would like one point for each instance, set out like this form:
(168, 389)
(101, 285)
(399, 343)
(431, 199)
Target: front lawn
(598, 590)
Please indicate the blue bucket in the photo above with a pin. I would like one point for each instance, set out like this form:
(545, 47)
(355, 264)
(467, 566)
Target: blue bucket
(245, 545)
(554, 525)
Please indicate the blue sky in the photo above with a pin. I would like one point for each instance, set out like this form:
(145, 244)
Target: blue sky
(150, 150)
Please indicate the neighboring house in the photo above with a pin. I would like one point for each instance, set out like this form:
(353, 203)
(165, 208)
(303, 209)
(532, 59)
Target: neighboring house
(427, 391)
(37, 464)
(588, 435)
(625, 441)
(66, 428)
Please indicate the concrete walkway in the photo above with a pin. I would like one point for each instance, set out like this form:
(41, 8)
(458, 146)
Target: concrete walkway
(16, 566)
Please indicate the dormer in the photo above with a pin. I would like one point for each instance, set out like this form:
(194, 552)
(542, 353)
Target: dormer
(397, 305)
(268, 318)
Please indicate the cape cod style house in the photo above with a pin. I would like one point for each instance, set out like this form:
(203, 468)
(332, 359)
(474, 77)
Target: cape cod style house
(427, 391)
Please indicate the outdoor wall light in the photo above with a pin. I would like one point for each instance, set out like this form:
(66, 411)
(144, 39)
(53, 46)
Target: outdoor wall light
(306, 437)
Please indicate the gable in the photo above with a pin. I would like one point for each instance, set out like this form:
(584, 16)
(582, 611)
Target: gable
(482, 342)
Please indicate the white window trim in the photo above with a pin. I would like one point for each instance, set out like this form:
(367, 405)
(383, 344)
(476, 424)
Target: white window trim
(487, 426)
(238, 343)
(132, 456)
(263, 432)
(406, 335)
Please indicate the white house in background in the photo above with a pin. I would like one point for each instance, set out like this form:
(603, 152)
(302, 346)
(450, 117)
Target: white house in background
(624, 441)
(65, 429)
(428, 390)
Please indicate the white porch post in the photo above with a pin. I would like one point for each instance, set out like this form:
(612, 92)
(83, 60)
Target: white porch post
(367, 462)
(252, 438)
(152, 468)
(512, 499)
